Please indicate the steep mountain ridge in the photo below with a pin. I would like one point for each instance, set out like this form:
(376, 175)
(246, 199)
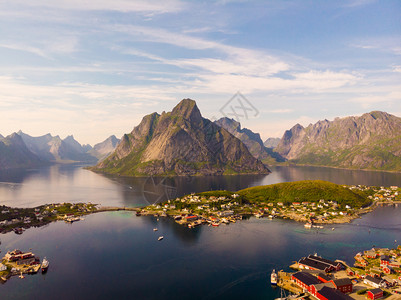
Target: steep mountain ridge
(370, 141)
(250, 139)
(180, 142)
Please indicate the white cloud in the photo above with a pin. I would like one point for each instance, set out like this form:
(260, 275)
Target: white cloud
(156, 7)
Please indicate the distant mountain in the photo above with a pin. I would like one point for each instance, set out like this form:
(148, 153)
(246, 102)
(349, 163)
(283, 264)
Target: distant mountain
(250, 139)
(103, 149)
(180, 142)
(54, 149)
(15, 154)
(371, 141)
(271, 142)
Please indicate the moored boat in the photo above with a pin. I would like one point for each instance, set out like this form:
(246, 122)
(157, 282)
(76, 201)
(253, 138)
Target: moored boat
(273, 278)
(45, 265)
(160, 238)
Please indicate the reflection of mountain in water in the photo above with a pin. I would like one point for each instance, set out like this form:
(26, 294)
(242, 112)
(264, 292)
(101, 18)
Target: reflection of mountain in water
(142, 191)
(338, 176)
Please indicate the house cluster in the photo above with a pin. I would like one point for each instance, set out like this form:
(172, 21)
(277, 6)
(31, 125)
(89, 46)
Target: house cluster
(313, 278)
(19, 258)
(381, 268)
(390, 194)
(17, 219)
(193, 210)
(305, 211)
(15, 216)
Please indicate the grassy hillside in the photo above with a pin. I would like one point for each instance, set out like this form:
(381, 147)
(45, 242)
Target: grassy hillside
(300, 191)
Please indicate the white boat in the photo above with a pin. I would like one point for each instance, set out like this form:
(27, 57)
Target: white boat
(308, 225)
(154, 229)
(160, 238)
(45, 265)
(273, 278)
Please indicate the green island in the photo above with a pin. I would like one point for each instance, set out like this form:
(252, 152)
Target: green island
(310, 201)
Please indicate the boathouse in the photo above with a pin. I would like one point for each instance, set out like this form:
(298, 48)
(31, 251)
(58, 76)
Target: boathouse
(304, 280)
(327, 293)
(315, 288)
(375, 294)
(335, 265)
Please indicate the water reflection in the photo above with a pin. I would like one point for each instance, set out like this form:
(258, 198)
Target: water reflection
(72, 183)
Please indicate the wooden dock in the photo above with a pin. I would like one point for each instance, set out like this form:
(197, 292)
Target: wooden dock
(284, 281)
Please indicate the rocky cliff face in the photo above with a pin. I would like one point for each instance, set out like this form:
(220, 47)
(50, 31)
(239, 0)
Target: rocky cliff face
(252, 140)
(15, 154)
(371, 141)
(105, 148)
(180, 142)
(271, 143)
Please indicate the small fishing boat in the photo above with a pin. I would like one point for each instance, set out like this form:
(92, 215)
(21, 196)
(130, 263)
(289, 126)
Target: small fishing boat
(155, 229)
(160, 238)
(273, 277)
(45, 265)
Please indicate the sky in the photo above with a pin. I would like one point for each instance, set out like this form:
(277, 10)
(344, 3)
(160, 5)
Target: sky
(93, 68)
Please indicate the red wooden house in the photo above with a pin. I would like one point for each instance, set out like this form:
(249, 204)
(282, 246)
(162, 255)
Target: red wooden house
(344, 285)
(304, 280)
(375, 294)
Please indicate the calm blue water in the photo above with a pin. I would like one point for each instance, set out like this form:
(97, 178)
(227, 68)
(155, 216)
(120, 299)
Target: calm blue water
(117, 255)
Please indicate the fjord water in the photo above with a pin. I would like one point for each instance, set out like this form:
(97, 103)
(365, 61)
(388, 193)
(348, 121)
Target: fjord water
(116, 255)
(72, 183)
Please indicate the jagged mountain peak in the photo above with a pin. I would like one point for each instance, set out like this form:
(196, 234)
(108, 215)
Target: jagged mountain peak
(179, 142)
(188, 110)
(369, 141)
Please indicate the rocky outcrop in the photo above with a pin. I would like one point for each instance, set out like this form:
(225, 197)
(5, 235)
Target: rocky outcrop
(371, 141)
(180, 142)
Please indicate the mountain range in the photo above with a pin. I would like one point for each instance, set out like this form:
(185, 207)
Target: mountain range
(370, 141)
(20, 150)
(180, 142)
(15, 154)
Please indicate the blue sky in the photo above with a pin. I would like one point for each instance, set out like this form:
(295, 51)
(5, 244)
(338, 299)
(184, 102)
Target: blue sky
(95, 68)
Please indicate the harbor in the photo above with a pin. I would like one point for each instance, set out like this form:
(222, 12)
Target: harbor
(18, 263)
(376, 274)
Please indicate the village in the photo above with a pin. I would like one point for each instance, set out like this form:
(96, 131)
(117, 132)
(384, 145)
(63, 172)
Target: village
(376, 274)
(20, 219)
(225, 207)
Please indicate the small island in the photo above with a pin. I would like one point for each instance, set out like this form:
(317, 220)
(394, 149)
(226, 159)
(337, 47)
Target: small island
(20, 219)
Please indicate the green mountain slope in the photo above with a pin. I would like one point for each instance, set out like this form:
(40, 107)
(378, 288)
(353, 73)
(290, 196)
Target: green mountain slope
(371, 141)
